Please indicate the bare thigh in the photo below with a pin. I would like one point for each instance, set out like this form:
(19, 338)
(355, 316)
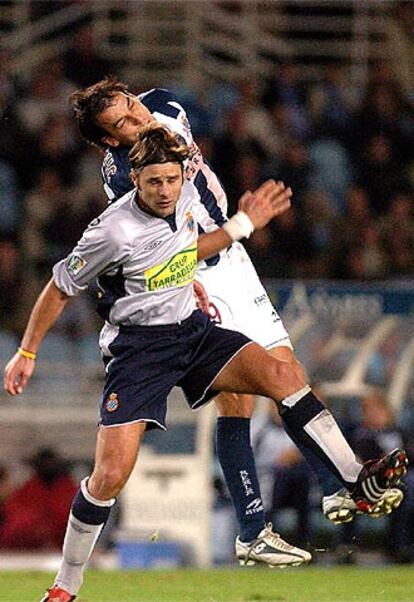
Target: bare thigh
(242, 405)
(116, 453)
(254, 370)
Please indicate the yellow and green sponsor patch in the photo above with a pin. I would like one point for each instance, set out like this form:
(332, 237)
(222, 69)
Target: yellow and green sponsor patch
(176, 271)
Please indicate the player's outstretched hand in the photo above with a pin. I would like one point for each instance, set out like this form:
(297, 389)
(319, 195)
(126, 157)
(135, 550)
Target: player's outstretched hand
(267, 202)
(17, 374)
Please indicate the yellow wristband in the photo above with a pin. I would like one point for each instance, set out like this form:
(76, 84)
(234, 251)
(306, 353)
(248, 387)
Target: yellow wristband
(28, 354)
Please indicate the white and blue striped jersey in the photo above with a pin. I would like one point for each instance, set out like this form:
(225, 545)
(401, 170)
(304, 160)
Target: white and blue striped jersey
(145, 264)
(211, 210)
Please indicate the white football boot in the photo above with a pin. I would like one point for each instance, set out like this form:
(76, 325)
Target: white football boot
(269, 548)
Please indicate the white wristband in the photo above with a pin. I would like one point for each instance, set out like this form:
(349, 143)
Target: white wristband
(239, 226)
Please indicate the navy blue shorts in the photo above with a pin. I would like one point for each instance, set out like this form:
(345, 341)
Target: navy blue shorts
(148, 361)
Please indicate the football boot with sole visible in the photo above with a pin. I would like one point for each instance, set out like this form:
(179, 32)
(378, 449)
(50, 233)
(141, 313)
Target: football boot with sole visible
(376, 477)
(340, 508)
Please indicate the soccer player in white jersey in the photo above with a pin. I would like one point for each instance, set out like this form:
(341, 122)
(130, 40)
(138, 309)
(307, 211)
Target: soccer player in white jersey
(144, 253)
(110, 117)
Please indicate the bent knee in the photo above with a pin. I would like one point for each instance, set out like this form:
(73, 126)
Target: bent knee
(286, 354)
(108, 481)
(287, 376)
(283, 371)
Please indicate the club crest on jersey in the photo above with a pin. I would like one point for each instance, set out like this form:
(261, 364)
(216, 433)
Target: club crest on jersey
(190, 221)
(76, 264)
(112, 403)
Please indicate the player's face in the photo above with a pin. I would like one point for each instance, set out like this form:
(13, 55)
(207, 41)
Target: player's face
(123, 119)
(159, 187)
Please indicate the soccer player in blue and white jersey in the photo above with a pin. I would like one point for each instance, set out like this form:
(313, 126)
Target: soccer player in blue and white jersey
(144, 252)
(111, 117)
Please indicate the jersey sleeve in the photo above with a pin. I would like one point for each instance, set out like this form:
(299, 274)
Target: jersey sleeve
(98, 252)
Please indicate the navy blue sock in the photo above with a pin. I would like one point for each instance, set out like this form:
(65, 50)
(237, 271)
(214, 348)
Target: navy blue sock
(89, 513)
(236, 458)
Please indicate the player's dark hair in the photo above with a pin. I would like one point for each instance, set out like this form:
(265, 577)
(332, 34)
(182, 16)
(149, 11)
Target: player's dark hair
(90, 102)
(156, 144)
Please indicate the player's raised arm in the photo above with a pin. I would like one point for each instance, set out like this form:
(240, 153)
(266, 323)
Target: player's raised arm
(46, 311)
(256, 210)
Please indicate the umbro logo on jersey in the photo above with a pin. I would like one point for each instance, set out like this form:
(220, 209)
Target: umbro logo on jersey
(153, 245)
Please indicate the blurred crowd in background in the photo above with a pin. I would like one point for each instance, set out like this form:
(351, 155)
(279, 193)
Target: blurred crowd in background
(347, 153)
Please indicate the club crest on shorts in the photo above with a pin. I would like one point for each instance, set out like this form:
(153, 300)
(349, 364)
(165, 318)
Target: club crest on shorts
(190, 221)
(112, 403)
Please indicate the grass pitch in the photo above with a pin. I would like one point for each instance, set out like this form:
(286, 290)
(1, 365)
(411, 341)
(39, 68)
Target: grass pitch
(347, 584)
